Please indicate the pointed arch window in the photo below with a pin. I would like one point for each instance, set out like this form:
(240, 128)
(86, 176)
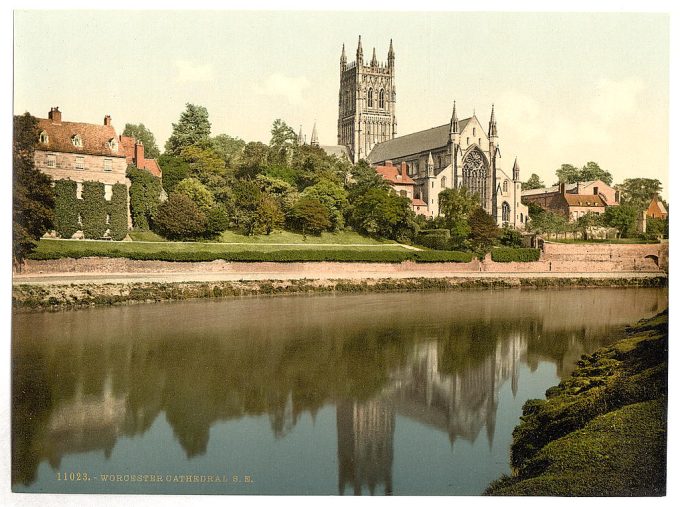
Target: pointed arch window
(370, 97)
(505, 186)
(475, 171)
(44, 138)
(505, 212)
(381, 99)
(443, 182)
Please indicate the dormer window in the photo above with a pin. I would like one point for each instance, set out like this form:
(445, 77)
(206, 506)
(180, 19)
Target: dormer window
(77, 141)
(113, 144)
(44, 138)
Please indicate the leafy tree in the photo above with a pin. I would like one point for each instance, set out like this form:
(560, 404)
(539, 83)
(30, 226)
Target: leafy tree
(510, 237)
(567, 173)
(638, 192)
(547, 221)
(364, 177)
(457, 204)
(533, 182)
(283, 192)
(217, 220)
(590, 219)
(175, 169)
(334, 197)
(145, 195)
(313, 165)
(145, 136)
(657, 227)
(228, 148)
(283, 139)
(193, 128)
(622, 217)
(592, 171)
(33, 206)
(197, 192)
(269, 214)
(247, 195)
(254, 160)
(309, 216)
(383, 214)
(483, 230)
(180, 218)
(206, 166)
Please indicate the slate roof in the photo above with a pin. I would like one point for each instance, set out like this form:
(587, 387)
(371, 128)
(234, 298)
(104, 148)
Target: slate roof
(425, 140)
(338, 151)
(95, 138)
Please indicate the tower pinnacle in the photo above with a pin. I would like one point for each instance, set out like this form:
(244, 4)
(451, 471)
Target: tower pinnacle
(493, 132)
(315, 137)
(374, 60)
(343, 58)
(390, 56)
(360, 52)
(454, 121)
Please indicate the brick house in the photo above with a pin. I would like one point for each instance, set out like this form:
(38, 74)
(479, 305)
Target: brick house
(402, 183)
(575, 199)
(134, 155)
(656, 209)
(81, 152)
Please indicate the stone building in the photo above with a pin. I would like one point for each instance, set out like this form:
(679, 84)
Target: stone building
(366, 103)
(458, 153)
(82, 152)
(574, 200)
(403, 184)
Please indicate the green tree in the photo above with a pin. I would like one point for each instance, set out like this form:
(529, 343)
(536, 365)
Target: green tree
(457, 204)
(623, 218)
(334, 197)
(592, 171)
(510, 237)
(197, 192)
(269, 214)
(283, 139)
(657, 227)
(217, 220)
(175, 169)
(247, 195)
(383, 214)
(33, 205)
(145, 136)
(638, 192)
(254, 160)
(547, 221)
(533, 182)
(228, 149)
(180, 218)
(483, 230)
(309, 216)
(206, 166)
(567, 173)
(193, 128)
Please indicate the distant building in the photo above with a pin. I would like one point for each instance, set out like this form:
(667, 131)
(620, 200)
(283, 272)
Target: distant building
(656, 209)
(574, 200)
(457, 154)
(403, 184)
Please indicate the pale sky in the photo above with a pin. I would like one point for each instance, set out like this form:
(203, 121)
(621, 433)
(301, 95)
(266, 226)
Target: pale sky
(568, 88)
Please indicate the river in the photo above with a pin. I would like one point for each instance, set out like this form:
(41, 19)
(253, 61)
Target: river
(402, 393)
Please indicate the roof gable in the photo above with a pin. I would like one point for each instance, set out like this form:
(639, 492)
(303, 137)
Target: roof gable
(95, 138)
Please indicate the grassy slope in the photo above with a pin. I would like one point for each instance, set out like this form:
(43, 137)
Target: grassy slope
(601, 431)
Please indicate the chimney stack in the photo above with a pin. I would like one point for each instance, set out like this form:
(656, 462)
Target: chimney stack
(107, 120)
(55, 115)
(139, 155)
(563, 187)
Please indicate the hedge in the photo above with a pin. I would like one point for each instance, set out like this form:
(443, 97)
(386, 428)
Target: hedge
(515, 254)
(391, 256)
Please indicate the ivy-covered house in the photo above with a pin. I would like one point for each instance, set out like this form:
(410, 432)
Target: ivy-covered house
(88, 166)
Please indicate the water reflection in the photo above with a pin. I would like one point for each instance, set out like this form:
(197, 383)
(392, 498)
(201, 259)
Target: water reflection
(82, 380)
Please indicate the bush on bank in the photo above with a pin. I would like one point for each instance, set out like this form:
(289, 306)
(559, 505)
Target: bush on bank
(515, 254)
(316, 255)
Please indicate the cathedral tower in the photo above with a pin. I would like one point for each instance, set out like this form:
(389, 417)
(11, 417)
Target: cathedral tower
(366, 113)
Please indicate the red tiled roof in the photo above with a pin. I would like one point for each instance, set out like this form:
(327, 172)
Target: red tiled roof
(584, 200)
(95, 138)
(151, 165)
(656, 209)
(128, 145)
(393, 175)
(418, 202)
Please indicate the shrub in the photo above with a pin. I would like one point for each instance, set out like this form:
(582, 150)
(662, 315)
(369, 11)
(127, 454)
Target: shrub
(180, 218)
(65, 208)
(93, 210)
(145, 192)
(515, 254)
(117, 208)
(438, 239)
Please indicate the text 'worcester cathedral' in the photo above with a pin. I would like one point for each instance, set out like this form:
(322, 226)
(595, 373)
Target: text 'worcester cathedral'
(460, 153)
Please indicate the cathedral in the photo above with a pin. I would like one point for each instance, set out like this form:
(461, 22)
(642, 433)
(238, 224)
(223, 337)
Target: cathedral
(460, 153)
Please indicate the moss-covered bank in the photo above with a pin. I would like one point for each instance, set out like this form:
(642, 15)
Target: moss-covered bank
(601, 432)
(27, 297)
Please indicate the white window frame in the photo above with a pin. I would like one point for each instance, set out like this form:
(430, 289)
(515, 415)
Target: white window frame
(79, 163)
(108, 165)
(51, 160)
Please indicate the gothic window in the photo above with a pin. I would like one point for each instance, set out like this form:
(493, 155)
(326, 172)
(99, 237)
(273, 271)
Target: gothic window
(505, 212)
(479, 141)
(370, 97)
(468, 141)
(439, 161)
(381, 99)
(443, 182)
(44, 138)
(505, 186)
(474, 131)
(521, 218)
(77, 141)
(474, 174)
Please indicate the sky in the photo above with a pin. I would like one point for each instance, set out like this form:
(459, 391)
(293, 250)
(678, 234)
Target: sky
(567, 87)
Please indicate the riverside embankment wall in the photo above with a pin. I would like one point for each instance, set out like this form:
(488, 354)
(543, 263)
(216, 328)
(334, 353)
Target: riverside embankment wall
(555, 257)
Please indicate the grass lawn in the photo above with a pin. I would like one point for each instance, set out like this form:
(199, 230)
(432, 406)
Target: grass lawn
(287, 237)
